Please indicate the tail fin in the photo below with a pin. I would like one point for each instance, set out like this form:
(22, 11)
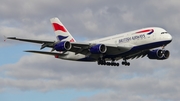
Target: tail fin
(62, 34)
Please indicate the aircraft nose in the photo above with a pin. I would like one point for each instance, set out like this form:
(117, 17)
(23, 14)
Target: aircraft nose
(169, 37)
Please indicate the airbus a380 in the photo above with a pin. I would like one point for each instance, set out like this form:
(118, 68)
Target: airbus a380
(108, 50)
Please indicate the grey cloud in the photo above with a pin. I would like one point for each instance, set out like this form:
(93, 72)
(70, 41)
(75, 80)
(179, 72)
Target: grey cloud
(91, 19)
(57, 74)
(44, 73)
(124, 96)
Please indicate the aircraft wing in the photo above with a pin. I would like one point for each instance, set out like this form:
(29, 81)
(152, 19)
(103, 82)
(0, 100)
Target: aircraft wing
(139, 54)
(112, 49)
(44, 43)
(82, 48)
(30, 40)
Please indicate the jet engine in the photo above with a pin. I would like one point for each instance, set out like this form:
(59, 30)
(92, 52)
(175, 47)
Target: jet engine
(98, 49)
(63, 46)
(159, 54)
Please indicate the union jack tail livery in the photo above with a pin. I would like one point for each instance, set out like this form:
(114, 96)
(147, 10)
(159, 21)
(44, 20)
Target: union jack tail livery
(62, 34)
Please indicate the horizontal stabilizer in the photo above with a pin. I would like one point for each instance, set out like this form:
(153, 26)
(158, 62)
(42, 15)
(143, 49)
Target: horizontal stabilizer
(47, 53)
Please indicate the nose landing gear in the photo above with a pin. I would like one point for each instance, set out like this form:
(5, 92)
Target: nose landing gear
(125, 63)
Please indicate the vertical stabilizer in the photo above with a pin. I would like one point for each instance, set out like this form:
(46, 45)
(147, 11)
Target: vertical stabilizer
(62, 34)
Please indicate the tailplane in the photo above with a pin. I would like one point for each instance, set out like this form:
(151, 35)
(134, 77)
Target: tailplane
(62, 34)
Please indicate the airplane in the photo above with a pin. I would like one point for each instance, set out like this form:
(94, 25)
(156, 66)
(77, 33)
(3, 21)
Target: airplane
(148, 42)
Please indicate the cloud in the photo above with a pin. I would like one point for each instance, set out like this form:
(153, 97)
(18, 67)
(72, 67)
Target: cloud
(44, 73)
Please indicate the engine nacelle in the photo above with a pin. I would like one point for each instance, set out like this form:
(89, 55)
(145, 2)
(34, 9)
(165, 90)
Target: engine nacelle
(98, 49)
(63, 46)
(159, 54)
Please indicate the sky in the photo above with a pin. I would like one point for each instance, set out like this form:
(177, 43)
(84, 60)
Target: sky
(32, 77)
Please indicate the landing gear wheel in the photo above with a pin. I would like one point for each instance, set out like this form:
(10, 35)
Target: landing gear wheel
(117, 64)
(123, 63)
(127, 64)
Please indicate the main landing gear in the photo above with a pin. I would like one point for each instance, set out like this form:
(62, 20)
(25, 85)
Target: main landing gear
(103, 62)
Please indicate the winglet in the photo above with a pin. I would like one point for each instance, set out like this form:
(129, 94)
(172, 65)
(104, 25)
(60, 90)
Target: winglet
(5, 38)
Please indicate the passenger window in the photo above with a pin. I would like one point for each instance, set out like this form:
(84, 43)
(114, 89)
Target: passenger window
(164, 32)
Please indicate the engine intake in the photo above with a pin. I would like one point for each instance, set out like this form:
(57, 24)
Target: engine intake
(63, 46)
(98, 49)
(159, 54)
(166, 54)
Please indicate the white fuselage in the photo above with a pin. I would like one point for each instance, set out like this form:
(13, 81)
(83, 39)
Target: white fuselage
(149, 38)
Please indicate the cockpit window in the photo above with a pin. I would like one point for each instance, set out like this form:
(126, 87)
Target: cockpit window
(164, 33)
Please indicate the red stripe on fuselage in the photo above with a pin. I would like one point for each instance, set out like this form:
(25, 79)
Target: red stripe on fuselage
(143, 31)
(58, 27)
